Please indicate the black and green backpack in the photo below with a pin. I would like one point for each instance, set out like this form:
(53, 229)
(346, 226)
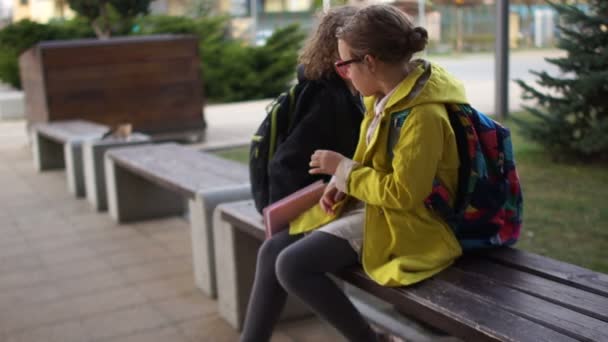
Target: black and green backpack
(270, 134)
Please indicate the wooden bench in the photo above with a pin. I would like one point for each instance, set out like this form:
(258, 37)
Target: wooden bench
(58, 144)
(501, 295)
(152, 181)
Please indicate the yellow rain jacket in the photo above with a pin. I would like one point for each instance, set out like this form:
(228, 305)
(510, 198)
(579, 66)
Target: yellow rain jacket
(404, 242)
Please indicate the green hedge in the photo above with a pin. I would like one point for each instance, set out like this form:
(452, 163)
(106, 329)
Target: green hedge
(232, 70)
(18, 37)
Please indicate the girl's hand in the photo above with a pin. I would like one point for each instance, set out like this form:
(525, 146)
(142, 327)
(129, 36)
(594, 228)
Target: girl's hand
(331, 195)
(324, 162)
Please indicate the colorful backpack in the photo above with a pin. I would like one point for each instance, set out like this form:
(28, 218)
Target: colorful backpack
(488, 207)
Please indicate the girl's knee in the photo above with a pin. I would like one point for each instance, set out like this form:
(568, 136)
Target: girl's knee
(288, 270)
(269, 251)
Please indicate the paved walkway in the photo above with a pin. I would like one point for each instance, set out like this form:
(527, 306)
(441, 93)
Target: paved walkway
(70, 274)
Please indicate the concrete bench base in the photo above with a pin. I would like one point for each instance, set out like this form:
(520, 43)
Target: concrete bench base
(48, 140)
(93, 166)
(58, 144)
(74, 169)
(201, 222)
(12, 105)
(47, 153)
(133, 198)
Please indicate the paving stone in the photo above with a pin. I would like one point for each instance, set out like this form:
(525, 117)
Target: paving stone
(124, 322)
(186, 306)
(164, 334)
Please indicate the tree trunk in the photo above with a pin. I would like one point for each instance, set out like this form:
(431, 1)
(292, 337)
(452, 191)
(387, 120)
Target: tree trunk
(103, 10)
(99, 32)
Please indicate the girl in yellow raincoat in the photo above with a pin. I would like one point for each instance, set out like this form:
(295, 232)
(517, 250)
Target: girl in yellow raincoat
(372, 211)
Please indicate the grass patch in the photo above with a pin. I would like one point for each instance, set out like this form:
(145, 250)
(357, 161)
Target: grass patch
(565, 205)
(239, 154)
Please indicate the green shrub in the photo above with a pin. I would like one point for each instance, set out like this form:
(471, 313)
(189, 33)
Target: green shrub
(20, 36)
(276, 61)
(110, 17)
(71, 29)
(233, 70)
(9, 67)
(23, 34)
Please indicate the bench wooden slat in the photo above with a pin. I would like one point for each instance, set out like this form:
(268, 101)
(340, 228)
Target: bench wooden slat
(453, 309)
(588, 303)
(63, 131)
(549, 268)
(182, 169)
(553, 316)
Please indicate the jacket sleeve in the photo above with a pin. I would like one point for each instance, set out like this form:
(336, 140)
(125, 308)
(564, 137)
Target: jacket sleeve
(416, 157)
(288, 169)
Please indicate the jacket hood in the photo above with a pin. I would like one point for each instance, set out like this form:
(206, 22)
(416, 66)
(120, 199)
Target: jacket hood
(300, 73)
(427, 83)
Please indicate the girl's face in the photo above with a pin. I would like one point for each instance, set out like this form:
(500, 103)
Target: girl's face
(355, 69)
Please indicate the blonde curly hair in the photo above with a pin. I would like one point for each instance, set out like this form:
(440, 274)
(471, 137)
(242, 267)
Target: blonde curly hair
(321, 49)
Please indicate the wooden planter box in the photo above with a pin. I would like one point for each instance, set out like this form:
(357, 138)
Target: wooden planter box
(152, 82)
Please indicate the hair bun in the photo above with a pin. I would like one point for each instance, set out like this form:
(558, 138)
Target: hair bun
(418, 38)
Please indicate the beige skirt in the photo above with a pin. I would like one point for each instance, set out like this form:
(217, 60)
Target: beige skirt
(349, 226)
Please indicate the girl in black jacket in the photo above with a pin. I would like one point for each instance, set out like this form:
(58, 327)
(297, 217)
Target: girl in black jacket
(328, 113)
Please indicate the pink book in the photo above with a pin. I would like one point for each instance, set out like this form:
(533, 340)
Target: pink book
(278, 215)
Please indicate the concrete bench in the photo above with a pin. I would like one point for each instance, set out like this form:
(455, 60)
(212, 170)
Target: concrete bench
(58, 144)
(93, 151)
(152, 181)
(499, 295)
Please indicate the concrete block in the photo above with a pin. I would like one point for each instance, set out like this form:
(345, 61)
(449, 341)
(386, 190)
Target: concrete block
(12, 105)
(47, 153)
(72, 151)
(201, 222)
(93, 151)
(131, 197)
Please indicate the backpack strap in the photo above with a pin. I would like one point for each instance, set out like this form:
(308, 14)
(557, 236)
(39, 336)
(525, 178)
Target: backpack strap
(292, 106)
(467, 145)
(291, 96)
(273, 132)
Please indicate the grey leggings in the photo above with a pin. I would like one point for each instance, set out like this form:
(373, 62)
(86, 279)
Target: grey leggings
(298, 265)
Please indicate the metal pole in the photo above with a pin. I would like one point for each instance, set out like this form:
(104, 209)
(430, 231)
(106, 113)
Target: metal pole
(326, 5)
(253, 7)
(501, 58)
(422, 18)
(421, 11)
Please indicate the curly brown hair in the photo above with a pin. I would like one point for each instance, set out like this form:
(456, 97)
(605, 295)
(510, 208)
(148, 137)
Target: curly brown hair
(321, 49)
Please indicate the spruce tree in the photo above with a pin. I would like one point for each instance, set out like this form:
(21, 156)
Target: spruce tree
(572, 108)
(110, 16)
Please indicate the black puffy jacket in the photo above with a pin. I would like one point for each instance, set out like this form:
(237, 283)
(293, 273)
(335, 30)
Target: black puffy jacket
(326, 116)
